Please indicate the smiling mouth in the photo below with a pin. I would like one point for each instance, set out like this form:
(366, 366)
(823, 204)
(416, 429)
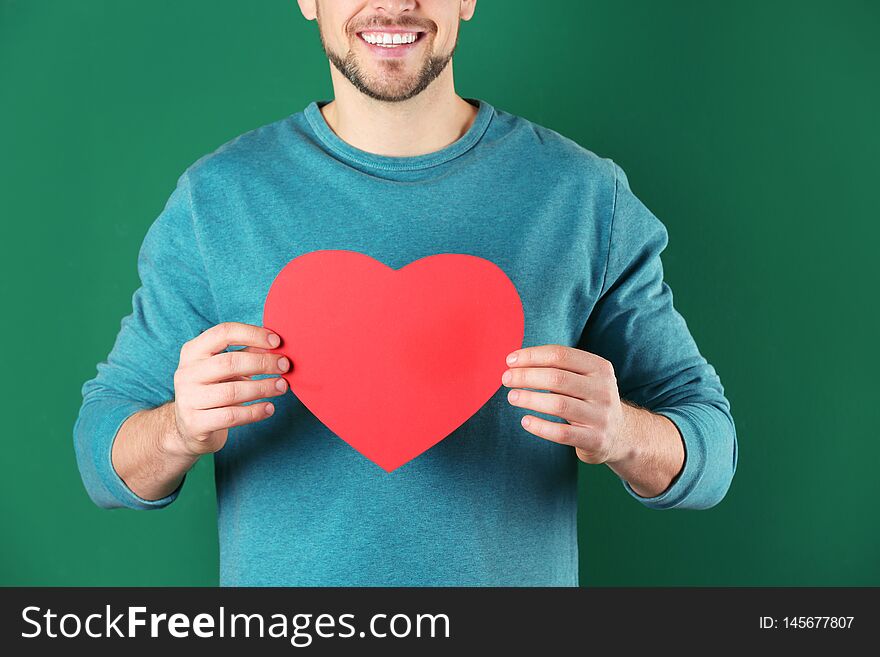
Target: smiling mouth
(390, 40)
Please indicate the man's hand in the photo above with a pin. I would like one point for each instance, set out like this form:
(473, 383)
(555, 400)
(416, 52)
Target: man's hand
(643, 448)
(211, 384)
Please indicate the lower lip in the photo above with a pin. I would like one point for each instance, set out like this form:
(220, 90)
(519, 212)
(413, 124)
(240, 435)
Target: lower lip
(401, 50)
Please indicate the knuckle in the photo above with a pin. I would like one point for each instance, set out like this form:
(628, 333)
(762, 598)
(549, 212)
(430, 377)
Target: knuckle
(561, 405)
(564, 433)
(191, 430)
(203, 425)
(608, 396)
(558, 378)
(227, 416)
(231, 362)
(230, 393)
(225, 329)
(600, 448)
(181, 389)
(185, 416)
(556, 354)
(255, 333)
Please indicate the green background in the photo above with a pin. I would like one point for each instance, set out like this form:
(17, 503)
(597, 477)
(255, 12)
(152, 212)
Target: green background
(750, 128)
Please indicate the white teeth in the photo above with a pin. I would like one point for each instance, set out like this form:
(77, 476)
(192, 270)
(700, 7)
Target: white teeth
(389, 39)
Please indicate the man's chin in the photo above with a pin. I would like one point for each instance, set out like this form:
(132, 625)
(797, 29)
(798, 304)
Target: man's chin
(390, 96)
(391, 80)
(393, 92)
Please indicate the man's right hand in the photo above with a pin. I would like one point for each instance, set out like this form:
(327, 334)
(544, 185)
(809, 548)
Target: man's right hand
(211, 384)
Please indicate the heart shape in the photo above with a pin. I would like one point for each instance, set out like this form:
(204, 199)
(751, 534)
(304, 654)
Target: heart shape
(393, 361)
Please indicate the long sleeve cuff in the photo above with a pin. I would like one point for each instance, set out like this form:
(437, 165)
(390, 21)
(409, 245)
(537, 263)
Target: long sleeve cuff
(710, 448)
(94, 432)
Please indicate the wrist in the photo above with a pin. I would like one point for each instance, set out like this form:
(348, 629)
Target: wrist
(170, 443)
(653, 453)
(629, 448)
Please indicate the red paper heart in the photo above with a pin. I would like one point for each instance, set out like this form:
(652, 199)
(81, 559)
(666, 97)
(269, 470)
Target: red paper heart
(393, 361)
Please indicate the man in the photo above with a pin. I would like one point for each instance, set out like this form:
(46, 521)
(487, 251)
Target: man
(399, 167)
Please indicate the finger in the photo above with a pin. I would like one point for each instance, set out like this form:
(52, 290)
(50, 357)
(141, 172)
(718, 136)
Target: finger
(215, 419)
(560, 357)
(250, 350)
(549, 378)
(221, 367)
(255, 350)
(222, 336)
(236, 392)
(562, 406)
(557, 432)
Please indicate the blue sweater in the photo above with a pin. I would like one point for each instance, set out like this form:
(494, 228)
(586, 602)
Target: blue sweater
(491, 504)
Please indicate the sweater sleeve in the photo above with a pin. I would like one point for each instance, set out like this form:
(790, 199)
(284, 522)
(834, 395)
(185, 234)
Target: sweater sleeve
(173, 304)
(658, 365)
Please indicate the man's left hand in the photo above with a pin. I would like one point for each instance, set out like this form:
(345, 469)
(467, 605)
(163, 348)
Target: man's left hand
(582, 390)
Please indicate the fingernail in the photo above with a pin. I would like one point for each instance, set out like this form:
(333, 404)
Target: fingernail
(269, 409)
(505, 379)
(280, 384)
(526, 420)
(274, 340)
(511, 358)
(514, 395)
(283, 364)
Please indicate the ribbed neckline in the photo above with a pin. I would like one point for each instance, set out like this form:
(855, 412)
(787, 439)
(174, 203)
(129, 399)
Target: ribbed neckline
(395, 163)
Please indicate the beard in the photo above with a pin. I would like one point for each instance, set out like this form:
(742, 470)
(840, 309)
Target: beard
(394, 86)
